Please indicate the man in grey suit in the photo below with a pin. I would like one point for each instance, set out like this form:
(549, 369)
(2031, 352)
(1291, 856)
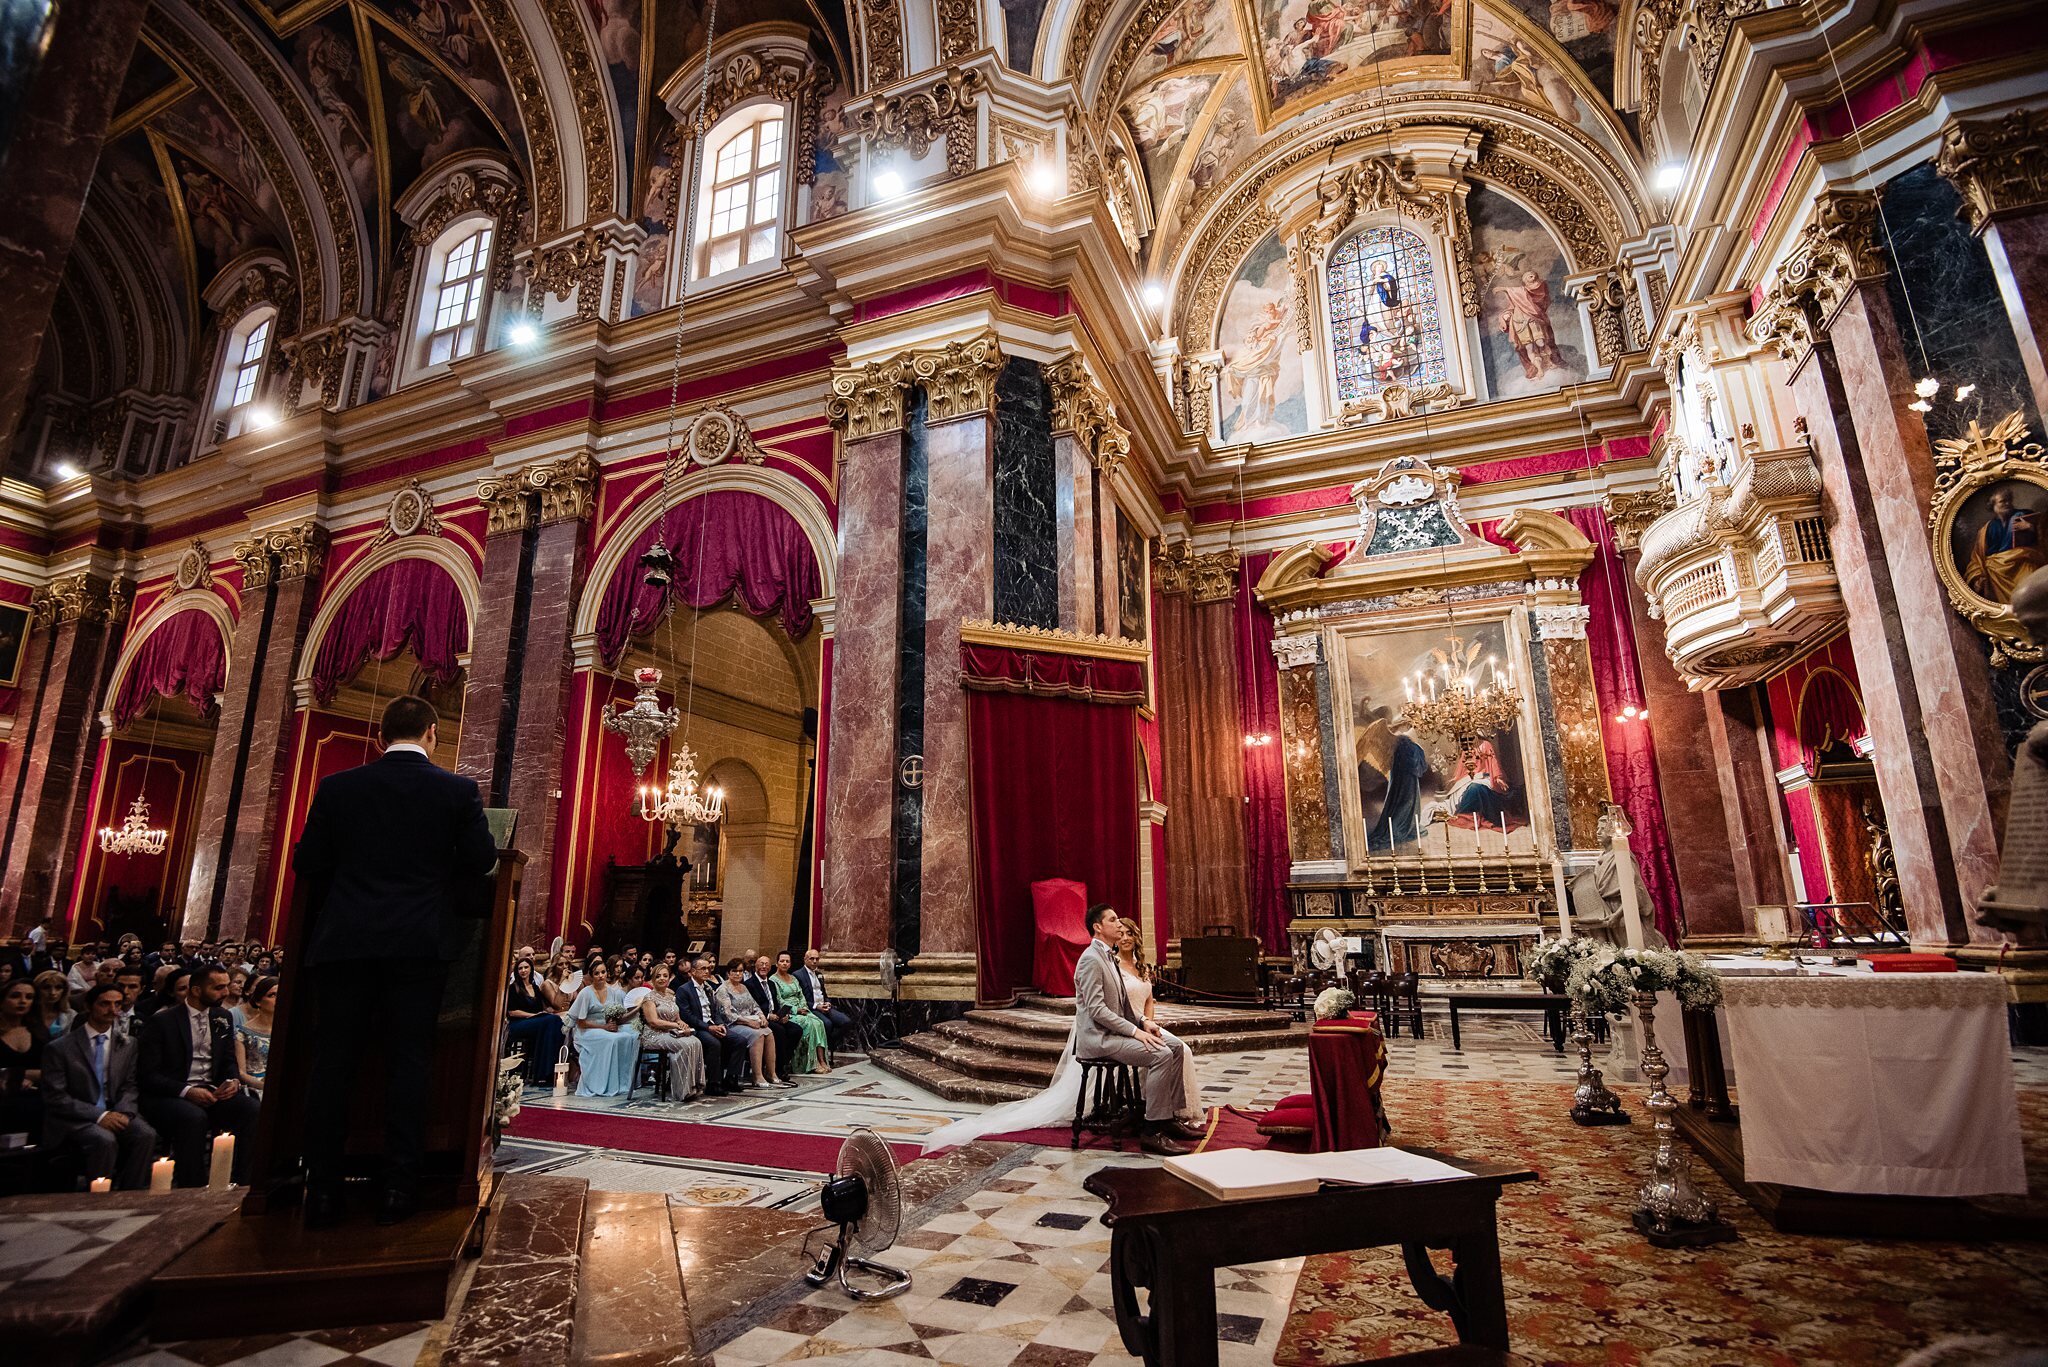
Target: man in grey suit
(1106, 1027)
(89, 1095)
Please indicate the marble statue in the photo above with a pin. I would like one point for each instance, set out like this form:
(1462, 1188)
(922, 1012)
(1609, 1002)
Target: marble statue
(2019, 901)
(1598, 908)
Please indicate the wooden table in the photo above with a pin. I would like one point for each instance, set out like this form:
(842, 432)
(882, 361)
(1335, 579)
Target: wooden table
(1552, 1005)
(1171, 1236)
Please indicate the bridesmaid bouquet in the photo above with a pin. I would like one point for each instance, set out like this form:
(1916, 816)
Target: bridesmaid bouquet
(619, 1015)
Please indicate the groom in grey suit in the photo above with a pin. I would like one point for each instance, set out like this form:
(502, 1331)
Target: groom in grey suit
(1106, 1027)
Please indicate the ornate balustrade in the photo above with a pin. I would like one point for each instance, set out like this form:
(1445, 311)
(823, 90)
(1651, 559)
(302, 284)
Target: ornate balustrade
(1742, 573)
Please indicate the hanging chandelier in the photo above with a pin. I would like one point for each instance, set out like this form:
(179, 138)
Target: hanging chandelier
(682, 803)
(134, 835)
(645, 724)
(1466, 697)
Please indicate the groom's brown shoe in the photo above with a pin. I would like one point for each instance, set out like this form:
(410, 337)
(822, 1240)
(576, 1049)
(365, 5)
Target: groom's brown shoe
(1180, 1129)
(1163, 1144)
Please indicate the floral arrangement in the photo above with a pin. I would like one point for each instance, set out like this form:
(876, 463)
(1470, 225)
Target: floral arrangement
(1607, 979)
(1332, 1002)
(505, 1098)
(1551, 961)
(619, 1015)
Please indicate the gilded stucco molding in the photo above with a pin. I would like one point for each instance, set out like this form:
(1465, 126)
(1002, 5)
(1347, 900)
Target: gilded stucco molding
(1834, 252)
(1606, 301)
(881, 26)
(1083, 407)
(1206, 576)
(914, 120)
(86, 596)
(593, 104)
(562, 490)
(747, 76)
(2000, 166)
(255, 563)
(536, 116)
(959, 380)
(959, 29)
(300, 551)
(1630, 514)
(867, 400)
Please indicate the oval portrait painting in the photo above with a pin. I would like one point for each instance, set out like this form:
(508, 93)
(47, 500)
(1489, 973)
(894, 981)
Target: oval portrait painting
(2000, 536)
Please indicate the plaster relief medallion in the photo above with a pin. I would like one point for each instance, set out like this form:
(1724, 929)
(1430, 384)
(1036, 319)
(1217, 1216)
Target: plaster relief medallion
(195, 568)
(1405, 490)
(911, 772)
(712, 437)
(411, 513)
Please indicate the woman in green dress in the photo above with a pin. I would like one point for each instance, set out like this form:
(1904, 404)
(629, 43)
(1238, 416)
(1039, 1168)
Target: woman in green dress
(813, 1049)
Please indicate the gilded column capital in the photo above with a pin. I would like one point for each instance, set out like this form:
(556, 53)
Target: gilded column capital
(1999, 165)
(82, 597)
(300, 551)
(506, 505)
(1207, 576)
(255, 562)
(959, 379)
(1083, 407)
(1630, 514)
(567, 488)
(1835, 251)
(867, 400)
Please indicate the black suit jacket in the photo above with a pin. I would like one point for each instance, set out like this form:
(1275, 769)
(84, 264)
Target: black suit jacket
(167, 1051)
(764, 997)
(393, 851)
(814, 987)
(686, 1002)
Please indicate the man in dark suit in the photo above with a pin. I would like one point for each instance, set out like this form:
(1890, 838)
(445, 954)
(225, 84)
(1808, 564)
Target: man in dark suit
(724, 1059)
(188, 1079)
(837, 1022)
(392, 854)
(90, 1099)
(788, 1034)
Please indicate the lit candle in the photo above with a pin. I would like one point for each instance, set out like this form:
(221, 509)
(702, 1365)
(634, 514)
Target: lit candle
(102, 1185)
(219, 1175)
(160, 1174)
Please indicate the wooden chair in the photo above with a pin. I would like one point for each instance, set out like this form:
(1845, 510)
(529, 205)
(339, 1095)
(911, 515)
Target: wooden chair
(650, 1061)
(1117, 1105)
(1404, 1005)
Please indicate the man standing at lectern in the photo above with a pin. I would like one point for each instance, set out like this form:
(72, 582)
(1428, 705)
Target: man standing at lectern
(386, 853)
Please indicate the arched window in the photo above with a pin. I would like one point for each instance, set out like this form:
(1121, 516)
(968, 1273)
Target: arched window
(453, 303)
(1384, 324)
(242, 364)
(739, 197)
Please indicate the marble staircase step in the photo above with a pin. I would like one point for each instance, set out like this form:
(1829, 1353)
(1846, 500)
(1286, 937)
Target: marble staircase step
(1185, 1021)
(521, 1305)
(632, 1311)
(994, 1064)
(942, 1079)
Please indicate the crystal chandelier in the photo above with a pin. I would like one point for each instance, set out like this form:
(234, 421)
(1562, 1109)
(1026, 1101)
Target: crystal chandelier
(1465, 697)
(682, 802)
(645, 724)
(134, 835)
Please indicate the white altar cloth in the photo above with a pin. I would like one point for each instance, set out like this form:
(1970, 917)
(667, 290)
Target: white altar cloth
(1890, 1083)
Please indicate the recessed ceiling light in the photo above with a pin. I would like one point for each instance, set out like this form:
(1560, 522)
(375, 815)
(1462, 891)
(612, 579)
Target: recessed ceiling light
(1670, 177)
(888, 184)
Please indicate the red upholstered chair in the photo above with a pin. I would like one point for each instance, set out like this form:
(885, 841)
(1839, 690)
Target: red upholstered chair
(1341, 1110)
(1060, 907)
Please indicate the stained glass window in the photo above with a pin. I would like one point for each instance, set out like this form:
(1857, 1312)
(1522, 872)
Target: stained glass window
(1384, 322)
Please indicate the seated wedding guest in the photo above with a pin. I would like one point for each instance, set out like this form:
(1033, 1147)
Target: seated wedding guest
(232, 998)
(837, 1022)
(90, 1101)
(662, 1027)
(252, 1036)
(53, 1013)
(813, 1050)
(748, 1024)
(21, 1059)
(725, 1053)
(266, 965)
(166, 988)
(561, 983)
(535, 1029)
(130, 982)
(607, 1044)
(788, 1035)
(187, 1075)
(105, 972)
(85, 969)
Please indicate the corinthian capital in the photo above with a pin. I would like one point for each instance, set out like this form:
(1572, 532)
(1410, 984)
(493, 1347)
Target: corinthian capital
(1835, 251)
(300, 551)
(1083, 407)
(81, 597)
(959, 379)
(867, 400)
(1999, 165)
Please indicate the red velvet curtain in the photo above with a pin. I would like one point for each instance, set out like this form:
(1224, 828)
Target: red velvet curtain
(1050, 675)
(726, 543)
(183, 656)
(1828, 715)
(1266, 860)
(1054, 793)
(1631, 762)
(409, 604)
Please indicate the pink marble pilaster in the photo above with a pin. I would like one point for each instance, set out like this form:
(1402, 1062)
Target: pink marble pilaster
(206, 884)
(1949, 667)
(959, 585)
(546, 671)
(1749, 803)
(2018, 247)
(490, 672)
(266, 764)
(860, 784)
(1073, 506)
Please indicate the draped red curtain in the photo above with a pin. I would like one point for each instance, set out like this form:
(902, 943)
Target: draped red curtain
(1054, 793)
(411, 604)
(1828, 715)
(184, 656)
(726, 543)
(1266, 860)
(1631, 762)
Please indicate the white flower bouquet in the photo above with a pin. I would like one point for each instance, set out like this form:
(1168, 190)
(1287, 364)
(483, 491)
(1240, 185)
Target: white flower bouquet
(1606, 980)
(505, 1099)
(619, 1015)
(1332, 1002)
(1551, 961)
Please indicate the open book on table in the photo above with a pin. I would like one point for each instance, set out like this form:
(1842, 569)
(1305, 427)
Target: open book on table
(1248, 1174)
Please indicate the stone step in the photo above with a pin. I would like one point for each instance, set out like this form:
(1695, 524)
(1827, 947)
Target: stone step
(632, 1311)
(521, 1305)
(942, 1080)
(978, 1032)
(989, 1064)
(1032, 1012)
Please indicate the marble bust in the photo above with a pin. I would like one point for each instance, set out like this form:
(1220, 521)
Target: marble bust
(2020, 899)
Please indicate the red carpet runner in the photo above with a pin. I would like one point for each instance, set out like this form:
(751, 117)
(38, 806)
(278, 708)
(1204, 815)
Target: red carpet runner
(683, 1139)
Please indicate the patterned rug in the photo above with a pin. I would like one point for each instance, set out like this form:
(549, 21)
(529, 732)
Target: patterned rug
(1584, 1288)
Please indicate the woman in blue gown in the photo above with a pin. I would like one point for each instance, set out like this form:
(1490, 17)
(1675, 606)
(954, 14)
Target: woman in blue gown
(607, 1041)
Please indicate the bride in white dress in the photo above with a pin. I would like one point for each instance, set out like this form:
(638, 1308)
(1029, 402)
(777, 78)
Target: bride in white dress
(1054, 1107)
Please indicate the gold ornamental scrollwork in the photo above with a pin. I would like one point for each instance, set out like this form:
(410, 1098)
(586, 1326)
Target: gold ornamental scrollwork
(593, 107)
(1835, 251)
(298, 551)
(536, 118)
(1630, 514)
(507, 509)
(2000, 166)
(1985, 486)
(867, 400)
(959, 379)
(255, 563)
(1206, 576)
(562, 490)
(916, 119)
(81, 597)
(1083, 407)
(882, 33)
(959, 29)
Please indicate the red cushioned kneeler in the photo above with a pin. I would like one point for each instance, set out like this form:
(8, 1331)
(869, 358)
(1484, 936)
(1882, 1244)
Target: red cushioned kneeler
(1060, 907)
(1910, 963)
(1346, 1061)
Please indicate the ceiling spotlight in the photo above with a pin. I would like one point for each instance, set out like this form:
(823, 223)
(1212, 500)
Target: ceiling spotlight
(1670, 176)
(888, 184)
(523, 334)
(1044, 179)
(1153, 293)
(64, 469)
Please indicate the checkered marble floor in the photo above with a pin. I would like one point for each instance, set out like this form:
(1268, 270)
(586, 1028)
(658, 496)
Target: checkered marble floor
(44, 1247)
(370, 1345)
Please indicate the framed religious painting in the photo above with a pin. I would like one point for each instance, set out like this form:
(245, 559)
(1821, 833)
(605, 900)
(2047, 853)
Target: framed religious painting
(14, 621)
(1989, 527)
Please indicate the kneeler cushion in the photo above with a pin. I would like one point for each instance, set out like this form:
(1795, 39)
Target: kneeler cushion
(1910, 963)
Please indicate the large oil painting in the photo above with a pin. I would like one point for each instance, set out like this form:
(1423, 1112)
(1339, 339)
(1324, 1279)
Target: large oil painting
(1132, 579)
(1584, 29)
(1529, 331)
(1261, 390)
(14, 619)
(1420, 791)
(1308, 45)
(1997, 537)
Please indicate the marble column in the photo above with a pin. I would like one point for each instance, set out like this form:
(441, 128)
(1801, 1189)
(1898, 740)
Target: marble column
(2001, 168)
(856, 840)
(487, 693)
(76, 624)
(1750, 802)
(206, 884)
(294, 557)
(1089, 444)
(57, 132)
(959, 586)
(567, 494)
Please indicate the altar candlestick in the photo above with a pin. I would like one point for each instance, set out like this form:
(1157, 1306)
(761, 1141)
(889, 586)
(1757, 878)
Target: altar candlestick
(160, 1174)
(222, 1169)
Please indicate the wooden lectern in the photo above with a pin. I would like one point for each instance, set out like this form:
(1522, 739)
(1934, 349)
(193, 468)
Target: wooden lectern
(263, 1271)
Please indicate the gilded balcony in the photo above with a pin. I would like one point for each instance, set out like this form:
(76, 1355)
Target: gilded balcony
(1742, 573)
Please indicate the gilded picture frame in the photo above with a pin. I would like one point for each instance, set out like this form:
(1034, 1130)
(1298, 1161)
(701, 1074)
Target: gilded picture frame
(1988, 529)
(14, 629)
